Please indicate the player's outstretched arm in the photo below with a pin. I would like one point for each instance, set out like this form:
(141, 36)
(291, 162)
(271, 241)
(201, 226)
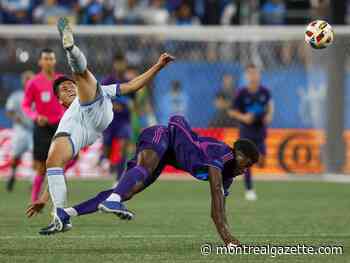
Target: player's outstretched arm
(142, 80)
(218, 207)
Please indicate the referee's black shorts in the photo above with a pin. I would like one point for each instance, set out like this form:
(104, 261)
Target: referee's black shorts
(42, 137)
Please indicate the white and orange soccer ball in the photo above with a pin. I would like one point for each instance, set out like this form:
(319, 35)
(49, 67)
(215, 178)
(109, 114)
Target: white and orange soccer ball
(319, 34)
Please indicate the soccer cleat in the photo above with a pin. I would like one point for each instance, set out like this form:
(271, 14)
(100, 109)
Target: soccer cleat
(61, 223)
(49, 230)
(116, 208)
(250, 195)
(62, 220)
(66, 32)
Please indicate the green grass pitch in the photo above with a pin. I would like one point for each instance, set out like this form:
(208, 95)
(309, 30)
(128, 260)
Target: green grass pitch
(173, 220)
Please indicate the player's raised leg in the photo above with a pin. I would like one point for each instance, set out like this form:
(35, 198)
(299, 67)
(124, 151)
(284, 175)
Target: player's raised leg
(85, 80)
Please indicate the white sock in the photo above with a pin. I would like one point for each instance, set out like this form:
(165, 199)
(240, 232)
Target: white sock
(71, 211)
(77, 60)
(114, 197)
(57, 186)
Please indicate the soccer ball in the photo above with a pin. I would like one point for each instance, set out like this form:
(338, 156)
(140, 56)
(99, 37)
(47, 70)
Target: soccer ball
(319, 34)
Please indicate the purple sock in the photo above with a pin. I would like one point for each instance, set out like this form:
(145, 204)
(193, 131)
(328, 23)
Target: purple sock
(90, 206)
(248, 180)
(129, 179)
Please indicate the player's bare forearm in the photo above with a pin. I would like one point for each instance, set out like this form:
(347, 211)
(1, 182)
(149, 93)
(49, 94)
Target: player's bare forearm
(45, 196)
(269, 113)
(235, 114)
(218, 207)
(142, 80)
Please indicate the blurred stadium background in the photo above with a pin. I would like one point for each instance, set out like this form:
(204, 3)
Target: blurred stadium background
(310, 88)
(213, 40)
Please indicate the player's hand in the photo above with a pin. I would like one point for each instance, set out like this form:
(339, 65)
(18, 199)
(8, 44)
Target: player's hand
(165, 59)
(234, 242)
(248, 118)
(41, 120)
(35, 208)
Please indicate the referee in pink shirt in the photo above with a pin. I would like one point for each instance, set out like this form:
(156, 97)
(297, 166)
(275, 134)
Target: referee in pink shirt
(42, 106)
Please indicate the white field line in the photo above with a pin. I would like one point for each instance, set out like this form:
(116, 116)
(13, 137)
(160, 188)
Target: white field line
(186, 236)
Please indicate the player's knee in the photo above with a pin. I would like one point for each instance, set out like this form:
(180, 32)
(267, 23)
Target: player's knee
(55, 159)
(149, 160)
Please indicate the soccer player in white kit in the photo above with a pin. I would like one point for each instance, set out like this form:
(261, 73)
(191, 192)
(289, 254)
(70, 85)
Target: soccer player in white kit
(89, 112)
(22, 129)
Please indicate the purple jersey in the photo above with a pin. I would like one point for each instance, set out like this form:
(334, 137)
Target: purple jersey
(177, 145)
(120, 127)
(255, 103)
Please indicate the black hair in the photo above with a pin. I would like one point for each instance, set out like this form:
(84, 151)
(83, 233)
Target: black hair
(45, 50)
(58, 81)
(248, 148)
(118, 56)
(251, 65)
(221, 95)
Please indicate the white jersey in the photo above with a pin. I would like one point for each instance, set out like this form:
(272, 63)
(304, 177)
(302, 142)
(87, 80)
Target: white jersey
(14, 104)
(84, 123)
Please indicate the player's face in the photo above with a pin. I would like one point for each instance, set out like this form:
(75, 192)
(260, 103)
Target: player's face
(253, 77)
(47, 61)
(120, 67)
(242, 163)
(67, 93)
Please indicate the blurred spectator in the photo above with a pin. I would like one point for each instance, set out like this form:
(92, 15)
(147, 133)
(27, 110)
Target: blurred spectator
(230, 14)
(94, 13)
(273, 12)
(184, 15)
(156, 13)
(320, 9)
(49, 12)
(228, 87)
(16, 11)
(209, 11)
(174, 102)
(221, 117)
(129, 11)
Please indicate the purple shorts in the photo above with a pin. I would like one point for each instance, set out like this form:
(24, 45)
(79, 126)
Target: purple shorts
(154, 138)
(121, 132)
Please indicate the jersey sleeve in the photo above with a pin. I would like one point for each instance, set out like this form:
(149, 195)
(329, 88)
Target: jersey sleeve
(237, 103)
(112, 90)
(28, 101)
(217, 163)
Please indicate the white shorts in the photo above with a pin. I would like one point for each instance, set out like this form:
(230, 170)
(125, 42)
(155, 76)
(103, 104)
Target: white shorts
(22, 141)
(84, 123)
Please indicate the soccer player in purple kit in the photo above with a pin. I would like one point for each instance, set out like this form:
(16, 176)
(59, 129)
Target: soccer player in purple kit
(177, 145)
(253, 108)
(120, 127)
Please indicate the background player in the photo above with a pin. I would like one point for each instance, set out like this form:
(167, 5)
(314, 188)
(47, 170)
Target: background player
(120, 127)
(22, 128)
(177, 145)
(89, 112)
(40, 105)
(253, 108)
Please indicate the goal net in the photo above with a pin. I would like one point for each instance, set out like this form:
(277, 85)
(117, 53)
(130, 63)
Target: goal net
(201, 84)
